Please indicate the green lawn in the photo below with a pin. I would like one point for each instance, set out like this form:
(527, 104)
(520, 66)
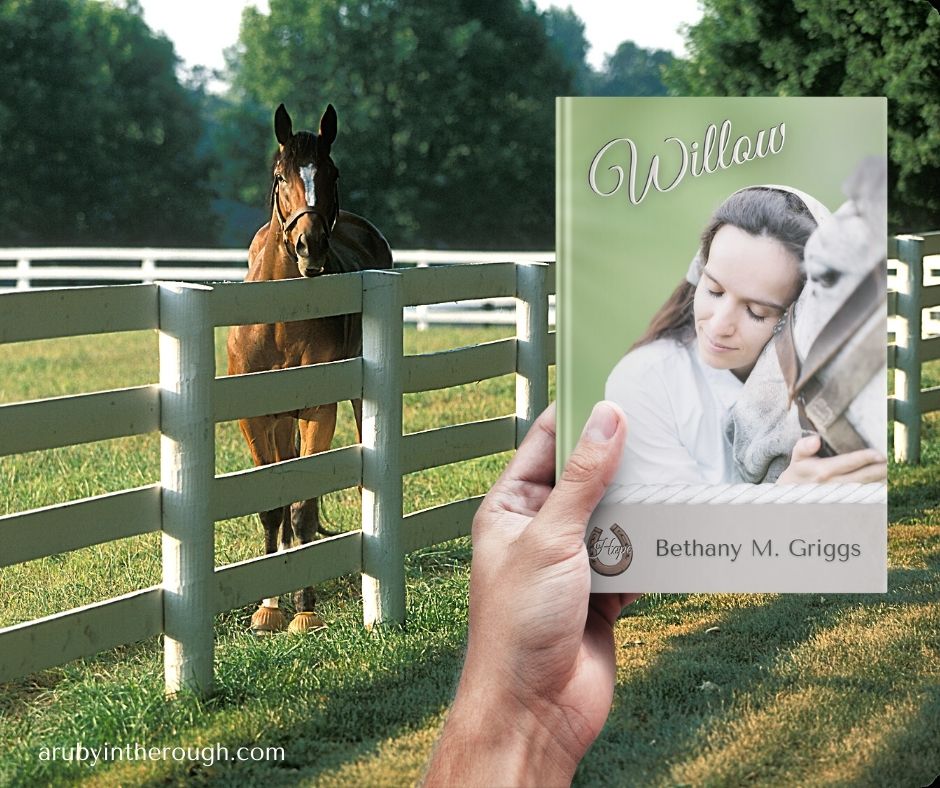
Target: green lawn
(806, 689)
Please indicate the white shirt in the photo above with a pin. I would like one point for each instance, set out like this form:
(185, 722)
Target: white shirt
(677, 407)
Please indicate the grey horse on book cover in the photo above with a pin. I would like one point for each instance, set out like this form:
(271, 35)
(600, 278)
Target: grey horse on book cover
(825, 369)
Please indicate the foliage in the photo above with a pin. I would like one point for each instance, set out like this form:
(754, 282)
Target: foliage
(446, 111)
(633, 71)
(96, 133)
(834, 48)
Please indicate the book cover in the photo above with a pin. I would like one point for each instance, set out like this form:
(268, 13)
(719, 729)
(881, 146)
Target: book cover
(722, 277)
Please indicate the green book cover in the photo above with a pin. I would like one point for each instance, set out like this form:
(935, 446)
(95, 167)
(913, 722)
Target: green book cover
(689, 232)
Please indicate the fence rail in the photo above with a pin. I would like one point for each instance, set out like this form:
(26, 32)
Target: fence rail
(914, 293)
(189, 399)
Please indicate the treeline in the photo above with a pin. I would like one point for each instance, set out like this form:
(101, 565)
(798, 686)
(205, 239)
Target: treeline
(446, 110)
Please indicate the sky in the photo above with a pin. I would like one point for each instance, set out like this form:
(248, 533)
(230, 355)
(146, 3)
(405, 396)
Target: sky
(201, 31)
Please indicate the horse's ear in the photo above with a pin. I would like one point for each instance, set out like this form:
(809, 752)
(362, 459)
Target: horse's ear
(327, 133)
(867, 187)
(283, 128)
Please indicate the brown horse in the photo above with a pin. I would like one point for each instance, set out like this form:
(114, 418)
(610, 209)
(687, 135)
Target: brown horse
(307, 235)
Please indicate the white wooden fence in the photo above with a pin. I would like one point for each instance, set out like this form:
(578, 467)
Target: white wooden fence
(189, 399)
(915, 291)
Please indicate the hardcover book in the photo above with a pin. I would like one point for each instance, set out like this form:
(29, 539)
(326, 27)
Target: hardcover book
(722, 278)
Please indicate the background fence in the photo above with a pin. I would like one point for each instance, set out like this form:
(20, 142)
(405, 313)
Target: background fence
(915, 291)
(189, 399)
(26, 268)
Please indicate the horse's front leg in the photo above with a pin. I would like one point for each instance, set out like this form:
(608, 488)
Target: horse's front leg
(316, 435)
(269, 618)
(270, 440)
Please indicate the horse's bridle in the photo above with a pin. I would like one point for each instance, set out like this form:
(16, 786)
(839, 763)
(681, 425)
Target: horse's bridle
(328, 221)
(822, 404)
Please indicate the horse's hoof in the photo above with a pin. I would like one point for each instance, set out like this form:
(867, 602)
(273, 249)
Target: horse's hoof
(268, 620)
(305, 622)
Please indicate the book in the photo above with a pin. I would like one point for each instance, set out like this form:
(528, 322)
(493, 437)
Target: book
(722, 277)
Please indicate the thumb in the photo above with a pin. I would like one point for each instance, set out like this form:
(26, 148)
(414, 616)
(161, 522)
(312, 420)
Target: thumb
(587, 473)
(806, 447)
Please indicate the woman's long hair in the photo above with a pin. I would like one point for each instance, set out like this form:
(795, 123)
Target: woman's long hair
(759, 211)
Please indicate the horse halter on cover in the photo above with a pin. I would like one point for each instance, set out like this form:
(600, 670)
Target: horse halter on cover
(328, 222)
(822, 404)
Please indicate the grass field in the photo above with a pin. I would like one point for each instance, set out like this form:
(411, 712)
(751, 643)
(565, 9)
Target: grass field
(798, 689)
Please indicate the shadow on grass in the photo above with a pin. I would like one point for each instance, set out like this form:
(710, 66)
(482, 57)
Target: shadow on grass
(914, 496)
(662, 717)
(923, 763)
(658, 715)
(342, 727)
(327, 700)
(666, 715)
(914, 490)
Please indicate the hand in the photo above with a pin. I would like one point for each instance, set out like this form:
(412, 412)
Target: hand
(865, 465)
(539, 675)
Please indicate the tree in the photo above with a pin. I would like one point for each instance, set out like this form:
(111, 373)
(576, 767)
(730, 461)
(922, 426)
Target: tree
(830, 48)
(97, 136)
(633, 71)
(446, 111)
(565, 32)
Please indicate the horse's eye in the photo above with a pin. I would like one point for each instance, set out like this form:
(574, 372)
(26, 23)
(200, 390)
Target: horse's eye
(828, 278)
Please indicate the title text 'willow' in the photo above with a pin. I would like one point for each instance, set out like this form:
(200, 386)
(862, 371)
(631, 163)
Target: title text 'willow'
(712, 155)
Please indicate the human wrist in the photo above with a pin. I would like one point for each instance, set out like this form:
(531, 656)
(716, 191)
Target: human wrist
(492, 738)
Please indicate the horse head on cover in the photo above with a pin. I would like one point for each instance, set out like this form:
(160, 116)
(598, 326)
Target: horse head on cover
(851, 244)
(305, 191)
(825, 370)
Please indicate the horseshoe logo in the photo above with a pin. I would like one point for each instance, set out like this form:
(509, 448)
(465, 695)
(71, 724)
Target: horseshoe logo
(623, 548)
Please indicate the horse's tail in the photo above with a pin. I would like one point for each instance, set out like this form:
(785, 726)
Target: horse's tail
(320, 528)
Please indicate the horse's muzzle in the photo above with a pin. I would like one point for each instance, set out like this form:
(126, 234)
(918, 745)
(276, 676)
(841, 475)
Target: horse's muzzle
(309, 269)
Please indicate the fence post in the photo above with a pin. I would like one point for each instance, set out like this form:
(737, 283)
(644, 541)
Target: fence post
(383, 555)
(22, 274)
(907, 381)
(421, 310)
(148, 269)
(531, 339)
(187, 471)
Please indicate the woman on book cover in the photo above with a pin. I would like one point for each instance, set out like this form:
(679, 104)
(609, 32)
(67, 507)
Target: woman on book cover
(681, 379)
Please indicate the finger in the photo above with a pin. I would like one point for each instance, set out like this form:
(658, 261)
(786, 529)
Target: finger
(534, 460)
(876, 472)
(587, 473)
(806, 447)
(610, 606)
(528, 478)
(842, 465)
(869, 456)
